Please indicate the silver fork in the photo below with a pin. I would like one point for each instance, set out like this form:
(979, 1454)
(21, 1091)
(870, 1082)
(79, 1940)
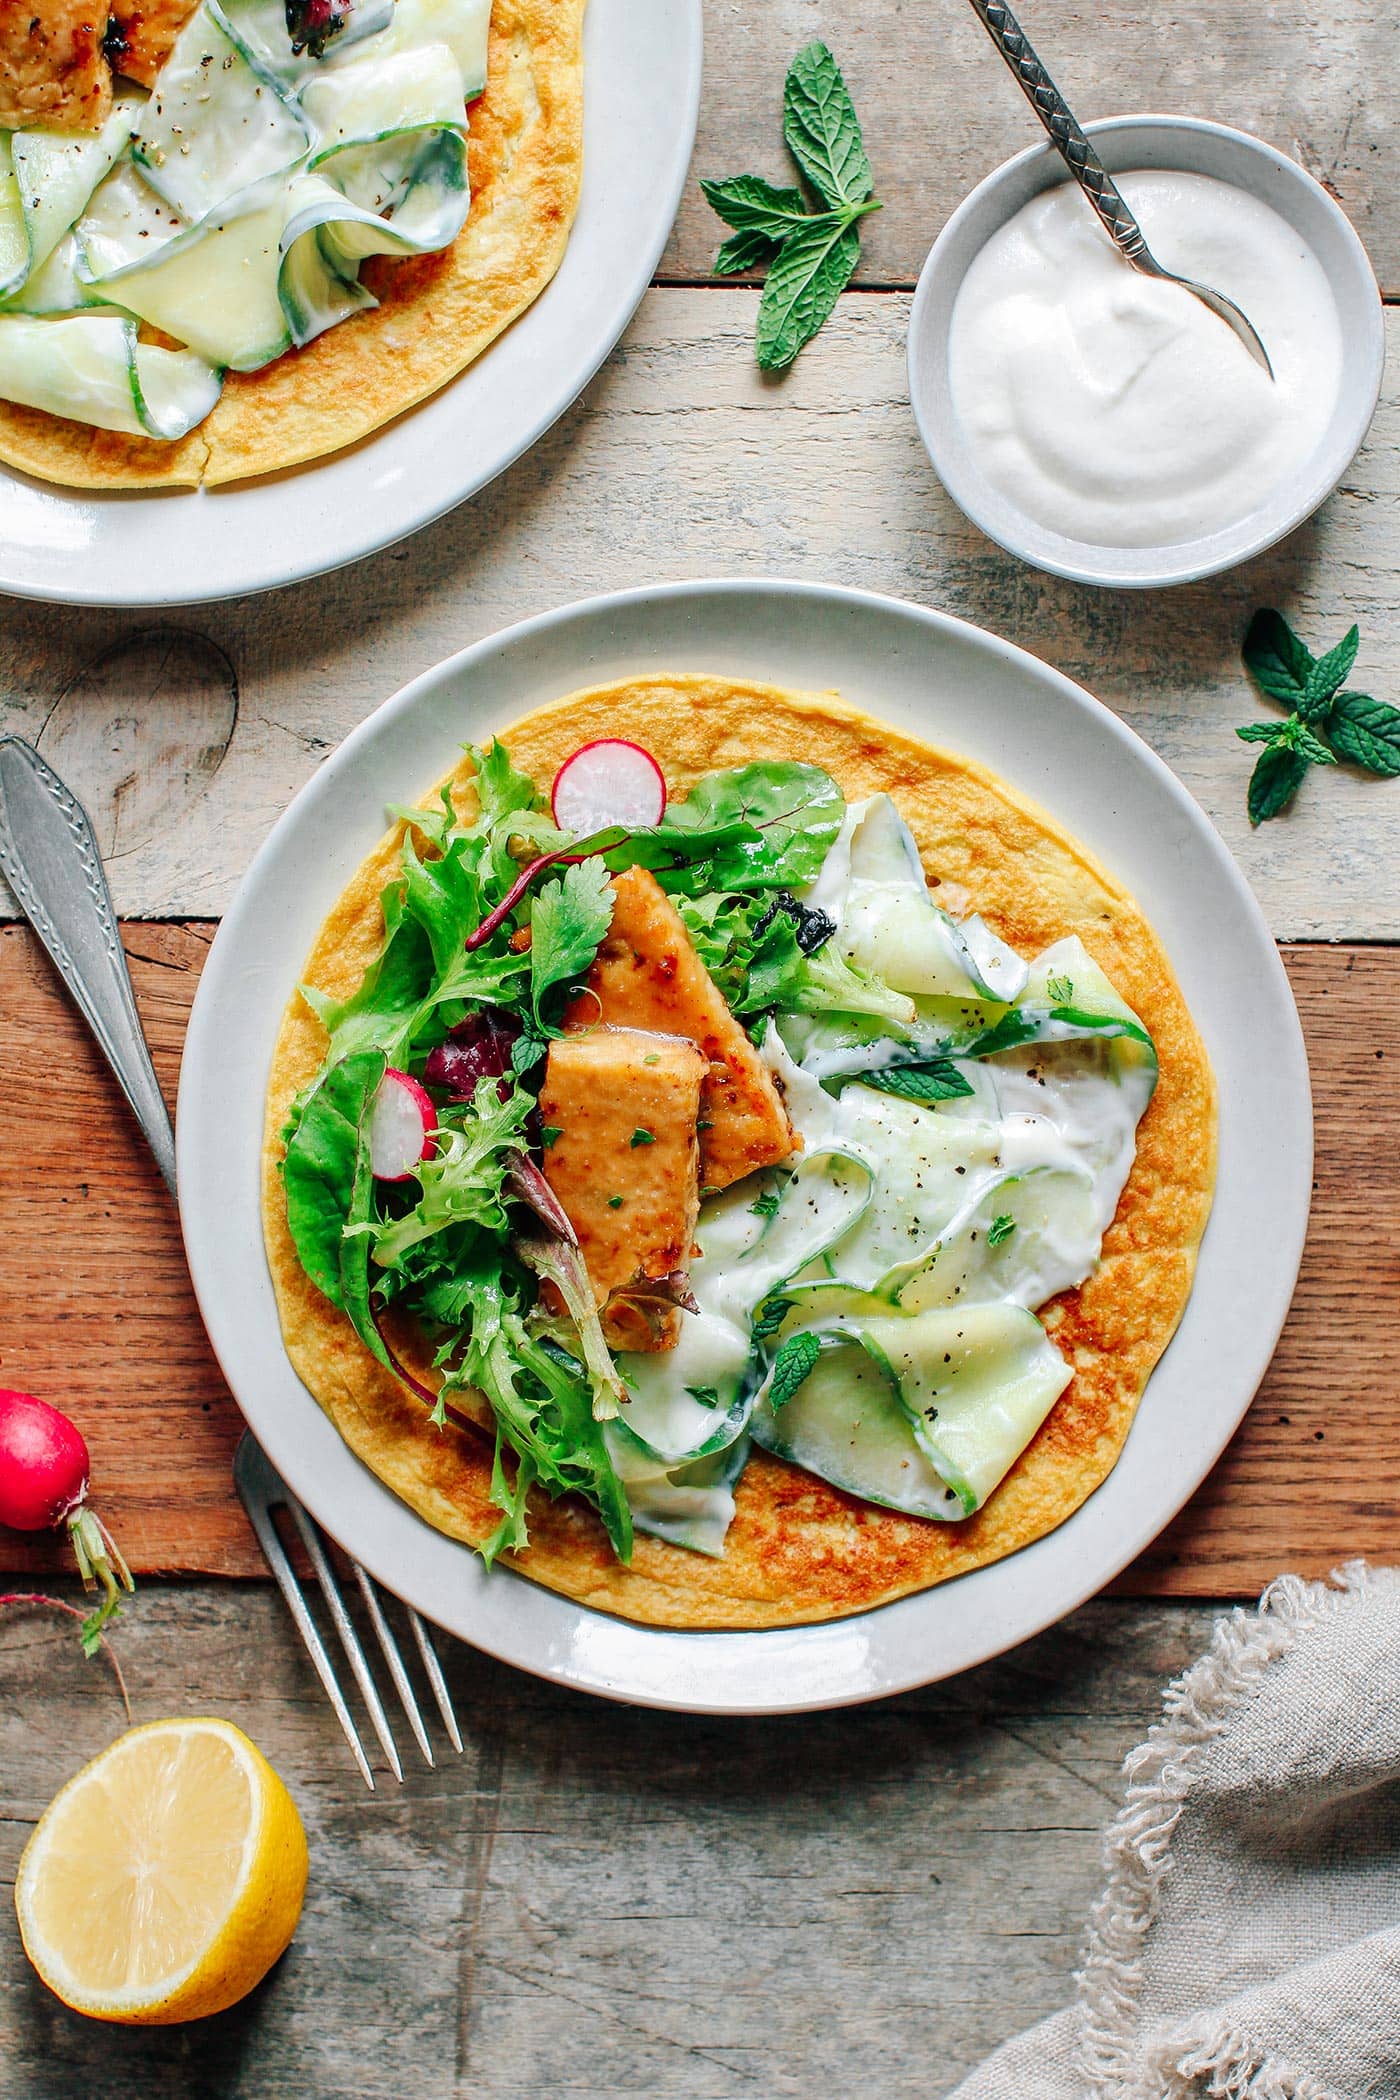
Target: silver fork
(49, 857)
(262, 1490)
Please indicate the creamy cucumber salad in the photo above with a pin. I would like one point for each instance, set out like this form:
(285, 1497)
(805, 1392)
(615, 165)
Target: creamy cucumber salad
(232, 207)
(960, 1123)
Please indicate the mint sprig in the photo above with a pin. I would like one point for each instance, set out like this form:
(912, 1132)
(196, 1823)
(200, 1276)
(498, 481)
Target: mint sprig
(1325, 722)
(811, 254)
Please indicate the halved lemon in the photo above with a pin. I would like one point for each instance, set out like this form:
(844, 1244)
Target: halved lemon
(166, 1878)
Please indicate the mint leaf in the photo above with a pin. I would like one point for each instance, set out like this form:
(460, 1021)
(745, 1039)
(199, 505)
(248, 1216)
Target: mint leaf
(812, 269)
(1274, 782)
(1327, 674)
(810, 255)
(1366, 732)
(1296, 736)
(1000, 1230)
(822, 130)
(767, 1205)
(794, 1364)
(1260, 732)
(938, 1079)
(568, 919)
(744, 251)
(1278, 661)
(770, 1316)
(751, 205)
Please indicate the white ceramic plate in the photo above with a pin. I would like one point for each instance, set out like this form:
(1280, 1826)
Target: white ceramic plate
(940, 679)
(641, 99)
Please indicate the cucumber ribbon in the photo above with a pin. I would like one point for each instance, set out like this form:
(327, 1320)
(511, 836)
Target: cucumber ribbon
(231, 210)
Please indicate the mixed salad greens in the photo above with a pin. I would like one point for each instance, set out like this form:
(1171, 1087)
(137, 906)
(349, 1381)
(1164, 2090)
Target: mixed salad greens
(966, 1123)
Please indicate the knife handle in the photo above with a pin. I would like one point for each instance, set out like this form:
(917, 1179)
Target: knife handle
(49, 857)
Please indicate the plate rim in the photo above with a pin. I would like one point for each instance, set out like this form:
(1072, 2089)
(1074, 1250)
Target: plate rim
(1288, 1060)
(689, 26)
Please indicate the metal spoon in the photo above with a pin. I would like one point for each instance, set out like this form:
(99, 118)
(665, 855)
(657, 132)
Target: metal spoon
(1092, 176)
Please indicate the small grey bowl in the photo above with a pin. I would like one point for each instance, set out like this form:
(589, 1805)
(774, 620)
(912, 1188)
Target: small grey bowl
(1196, 147)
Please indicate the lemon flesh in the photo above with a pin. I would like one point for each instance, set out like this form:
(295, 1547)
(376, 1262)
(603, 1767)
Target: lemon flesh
(166, 1878)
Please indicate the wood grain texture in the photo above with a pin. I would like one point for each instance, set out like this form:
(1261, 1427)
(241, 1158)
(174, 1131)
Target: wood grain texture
(100, 1312)
(597, 1901)
(682, 461)
(939, 111)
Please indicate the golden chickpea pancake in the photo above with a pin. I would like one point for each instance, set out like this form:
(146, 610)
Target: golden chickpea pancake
(799, 1549)
(436, 313)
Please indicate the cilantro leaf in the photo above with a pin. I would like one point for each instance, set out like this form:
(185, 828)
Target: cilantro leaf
(568, 919)
(1000, 1230)
(1277, 659)
(1060, 989)
(1276, 779)
(793, 1365)
(1366, 732)
(822, 129)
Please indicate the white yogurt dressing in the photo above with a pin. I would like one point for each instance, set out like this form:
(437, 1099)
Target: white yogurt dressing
(1117, 409)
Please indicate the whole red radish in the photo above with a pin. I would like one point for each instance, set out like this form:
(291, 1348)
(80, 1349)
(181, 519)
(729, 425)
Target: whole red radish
(44, 1469)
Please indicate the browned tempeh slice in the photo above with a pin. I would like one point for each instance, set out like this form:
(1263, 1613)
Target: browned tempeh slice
(619, 1107)
(648, 975)
(53, 73)
(146, 35)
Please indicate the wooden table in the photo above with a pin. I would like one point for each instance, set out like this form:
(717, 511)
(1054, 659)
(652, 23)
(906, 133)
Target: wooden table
(595, 1901)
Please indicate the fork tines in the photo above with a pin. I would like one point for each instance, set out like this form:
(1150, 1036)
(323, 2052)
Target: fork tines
(262, 1490)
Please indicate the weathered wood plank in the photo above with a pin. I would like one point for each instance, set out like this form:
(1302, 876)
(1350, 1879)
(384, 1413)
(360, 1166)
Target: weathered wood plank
(100, 1311)
(939, 112)
(681, 462)
(596, 1901)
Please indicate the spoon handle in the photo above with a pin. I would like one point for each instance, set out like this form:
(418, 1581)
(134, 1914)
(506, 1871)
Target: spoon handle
(1065, 133)
(49, 857)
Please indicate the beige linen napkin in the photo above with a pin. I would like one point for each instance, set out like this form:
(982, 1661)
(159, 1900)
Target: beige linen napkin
(1247, 1943)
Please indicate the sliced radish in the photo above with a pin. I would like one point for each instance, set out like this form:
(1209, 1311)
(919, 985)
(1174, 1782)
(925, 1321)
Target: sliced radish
(608, 782)
(401, 1126)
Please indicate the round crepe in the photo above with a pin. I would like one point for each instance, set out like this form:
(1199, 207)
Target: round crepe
(436, 313)
(799, 1549)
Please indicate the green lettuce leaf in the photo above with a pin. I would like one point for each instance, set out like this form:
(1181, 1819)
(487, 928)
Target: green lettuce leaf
(463, 1181)
(319, 1170)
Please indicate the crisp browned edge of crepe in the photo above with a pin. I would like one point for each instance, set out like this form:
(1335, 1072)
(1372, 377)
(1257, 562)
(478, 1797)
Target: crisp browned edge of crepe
(800, 1550)
(437, 313)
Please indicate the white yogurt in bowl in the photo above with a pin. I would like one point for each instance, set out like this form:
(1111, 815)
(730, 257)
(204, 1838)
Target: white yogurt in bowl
(1117, 408)
(1107, 426)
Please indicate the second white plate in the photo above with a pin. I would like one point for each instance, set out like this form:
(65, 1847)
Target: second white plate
(641, 97)
(956, 686)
